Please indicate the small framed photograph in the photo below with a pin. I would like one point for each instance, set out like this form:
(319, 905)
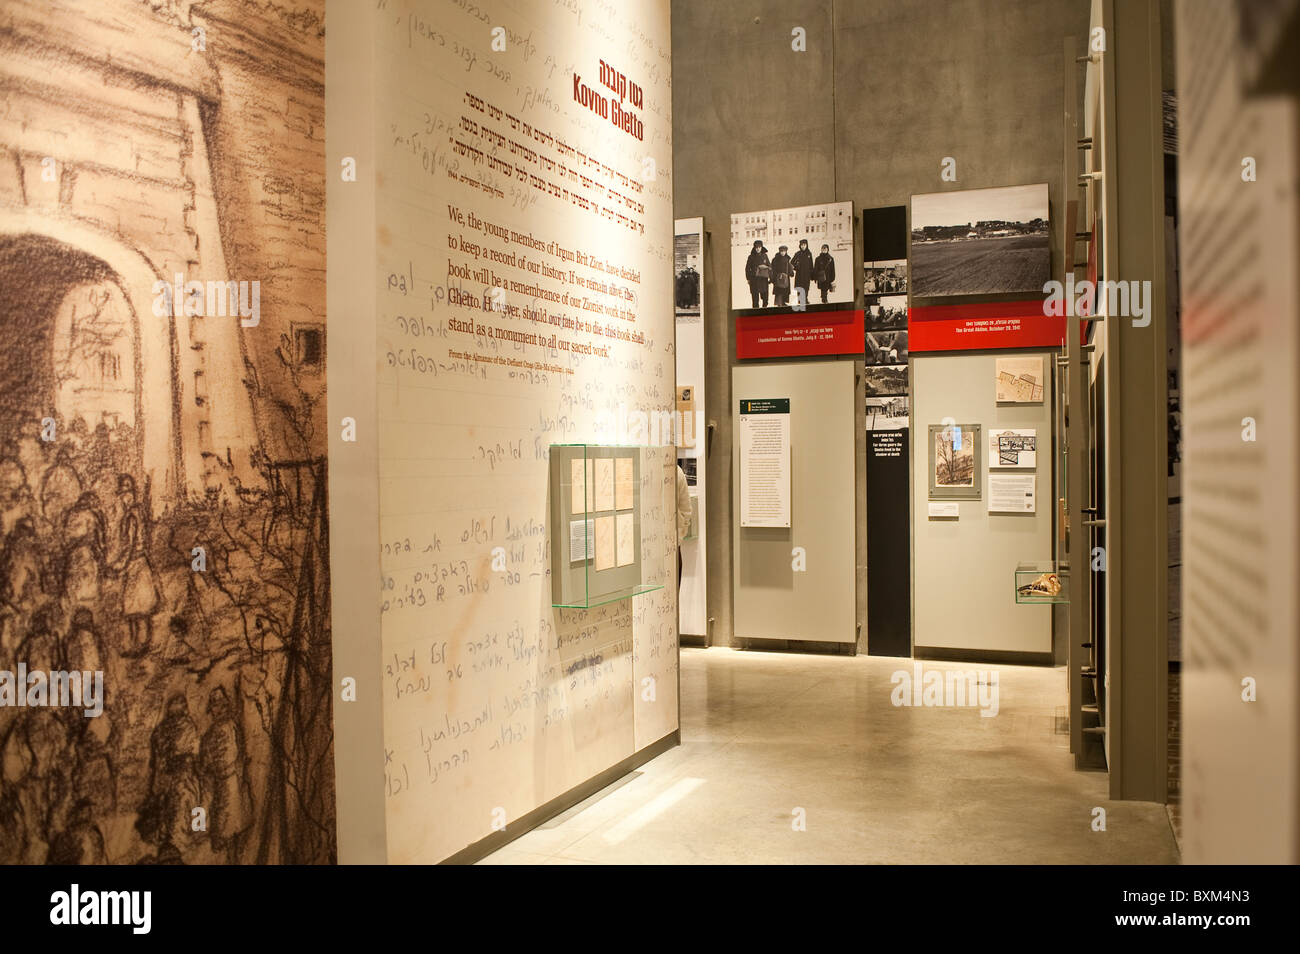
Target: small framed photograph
(955, 452)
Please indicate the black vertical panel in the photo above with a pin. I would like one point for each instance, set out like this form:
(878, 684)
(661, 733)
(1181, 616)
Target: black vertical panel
(884, 233)
(889, 545)
(889, 495)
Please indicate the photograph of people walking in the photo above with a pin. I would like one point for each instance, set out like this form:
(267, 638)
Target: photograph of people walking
(792, 258)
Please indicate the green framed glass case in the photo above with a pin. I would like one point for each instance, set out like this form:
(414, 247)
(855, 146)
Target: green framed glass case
(613, 522)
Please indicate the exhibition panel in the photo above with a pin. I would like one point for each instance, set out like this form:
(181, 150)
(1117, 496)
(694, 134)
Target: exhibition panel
(888, 423)
(1241, 350)
(519, 281)
(793, 450)
(969, 538)
(792, 290)
(694, 431)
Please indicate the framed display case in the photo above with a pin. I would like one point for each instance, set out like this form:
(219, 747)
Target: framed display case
(1041, 582)
(955, 456)
(611, 509)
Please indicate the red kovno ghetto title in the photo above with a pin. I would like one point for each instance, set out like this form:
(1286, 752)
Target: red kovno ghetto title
(606, 108)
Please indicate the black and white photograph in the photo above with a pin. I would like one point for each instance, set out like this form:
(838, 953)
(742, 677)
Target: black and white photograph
(887, 314)
(1013, 447)
(885, 380)
(887, 413)
(688, 466)
(886, 347)
(688, 285)
(980, 242)
(885, 278)
(785, 258)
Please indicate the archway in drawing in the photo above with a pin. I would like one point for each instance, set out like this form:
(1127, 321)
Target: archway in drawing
(82, 340)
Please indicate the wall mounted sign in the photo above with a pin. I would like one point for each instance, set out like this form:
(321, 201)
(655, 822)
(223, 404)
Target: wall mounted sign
(889, 543)
(1011, 492)
(991, 325)
(799, 334)
(765, 462)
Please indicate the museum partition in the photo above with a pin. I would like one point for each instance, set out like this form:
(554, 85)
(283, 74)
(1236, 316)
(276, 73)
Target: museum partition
(966, 550)
(1239, 196)
(504, 426)
(793, 452)
(694, 432)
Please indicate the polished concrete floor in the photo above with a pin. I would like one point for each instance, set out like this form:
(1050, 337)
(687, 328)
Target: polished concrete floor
(773, 739)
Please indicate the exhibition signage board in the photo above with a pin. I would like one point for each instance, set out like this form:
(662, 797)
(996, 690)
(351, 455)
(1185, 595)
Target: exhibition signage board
(688, 291)
(889, 563)
(799, 334)
(991, 325)
(1011, 492)
(525, 217)
(887, 416)
(765, 462)
(792, 287)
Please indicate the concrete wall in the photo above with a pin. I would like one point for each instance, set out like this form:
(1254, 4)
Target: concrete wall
(884, 92)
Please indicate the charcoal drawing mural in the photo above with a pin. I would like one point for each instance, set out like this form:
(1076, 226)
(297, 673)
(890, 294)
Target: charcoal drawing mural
(163, 517)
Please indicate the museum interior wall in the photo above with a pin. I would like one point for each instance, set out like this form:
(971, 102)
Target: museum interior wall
(162, 392)
(772, 598)
(966, 558)
(518, 413)
(868, 114)
(1241, 351)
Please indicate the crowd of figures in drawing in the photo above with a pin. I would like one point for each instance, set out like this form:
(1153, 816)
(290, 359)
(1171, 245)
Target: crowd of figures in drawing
(217, 680)
(163, 511)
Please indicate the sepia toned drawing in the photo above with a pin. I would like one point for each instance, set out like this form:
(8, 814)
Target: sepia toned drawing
(954, 461)
(163, 512)
(626, 533)
(956, 467)
(605, 543)
(624, 483)
(604, 483)
(1019, 380)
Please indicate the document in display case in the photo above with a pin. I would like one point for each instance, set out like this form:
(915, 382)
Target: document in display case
(611, 509)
